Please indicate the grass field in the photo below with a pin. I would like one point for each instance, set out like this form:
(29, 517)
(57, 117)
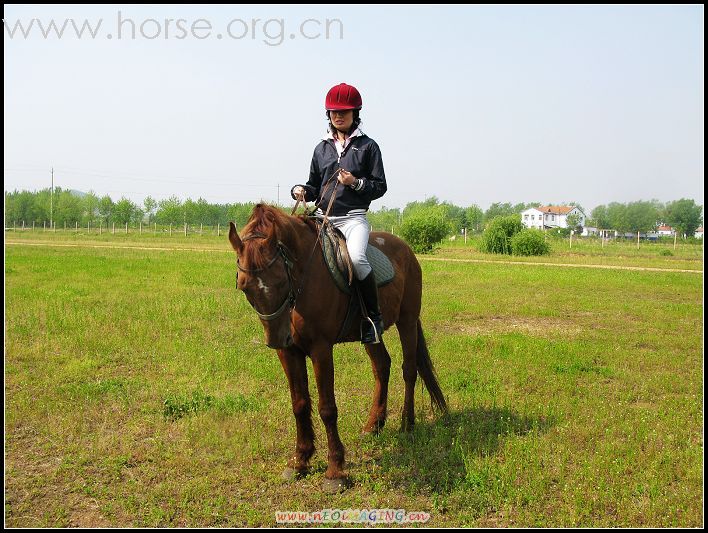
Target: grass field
(139, 392)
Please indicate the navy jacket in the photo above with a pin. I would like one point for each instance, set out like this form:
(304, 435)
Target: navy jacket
(361, 157)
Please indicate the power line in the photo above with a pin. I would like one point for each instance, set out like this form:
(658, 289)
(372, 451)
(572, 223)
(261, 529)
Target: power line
(174, 179)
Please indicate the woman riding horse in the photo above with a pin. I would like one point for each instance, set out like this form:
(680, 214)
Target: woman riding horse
(302, 309)
(355, 160)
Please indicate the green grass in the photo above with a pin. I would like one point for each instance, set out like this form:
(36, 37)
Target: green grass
(139, 392)
(686, 255)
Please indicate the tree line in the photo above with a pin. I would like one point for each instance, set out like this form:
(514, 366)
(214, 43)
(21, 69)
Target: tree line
(684, 215)
(69, 207)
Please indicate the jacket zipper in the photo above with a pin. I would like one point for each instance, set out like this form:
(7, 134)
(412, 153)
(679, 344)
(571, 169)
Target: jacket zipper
(339, 158)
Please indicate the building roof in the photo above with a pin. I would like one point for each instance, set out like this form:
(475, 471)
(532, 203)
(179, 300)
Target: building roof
(556, 209)
(700, 230)
(664, 228)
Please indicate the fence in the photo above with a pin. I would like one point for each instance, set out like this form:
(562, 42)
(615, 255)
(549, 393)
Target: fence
(462, 240)
(139, 228)
(113, 228)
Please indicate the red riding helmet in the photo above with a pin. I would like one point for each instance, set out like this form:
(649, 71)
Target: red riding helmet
(342, 97)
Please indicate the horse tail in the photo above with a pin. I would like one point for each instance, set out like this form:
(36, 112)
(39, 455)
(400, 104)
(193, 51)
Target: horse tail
(427, 372)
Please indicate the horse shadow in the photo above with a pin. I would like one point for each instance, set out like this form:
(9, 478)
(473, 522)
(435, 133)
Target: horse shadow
(441, 453)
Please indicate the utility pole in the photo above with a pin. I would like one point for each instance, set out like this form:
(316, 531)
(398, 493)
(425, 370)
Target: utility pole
(51, 202)
(278, 193)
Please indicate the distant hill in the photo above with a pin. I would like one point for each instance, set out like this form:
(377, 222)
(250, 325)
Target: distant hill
(77, 193)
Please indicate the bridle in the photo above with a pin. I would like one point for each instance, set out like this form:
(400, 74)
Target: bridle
(283, 252)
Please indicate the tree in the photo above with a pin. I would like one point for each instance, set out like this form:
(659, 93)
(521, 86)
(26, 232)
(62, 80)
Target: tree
(641, 216)
(68, 208)
(425, 228)
(202, 212)
(170, 211)
(124, 211)
(20, 206)
(497, 236)
(600, 217)
(521, 207)
(573, 222)
(455, 216)
(413, 207)
(384, 219)
(239, 213)
(498, 210)
(105, 208)
(190, 212)
(150, 205)
(474, 218)
(617, 215)
(685, 216)
(91, 202)
(138, 215)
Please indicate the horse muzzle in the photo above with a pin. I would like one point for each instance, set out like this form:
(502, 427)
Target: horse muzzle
(284, 343)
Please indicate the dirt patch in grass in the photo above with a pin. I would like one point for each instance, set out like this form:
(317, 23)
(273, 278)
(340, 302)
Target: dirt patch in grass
(487, 325)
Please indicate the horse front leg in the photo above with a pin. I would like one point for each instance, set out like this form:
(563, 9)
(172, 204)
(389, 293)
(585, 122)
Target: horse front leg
(335, 478)
(295, 366)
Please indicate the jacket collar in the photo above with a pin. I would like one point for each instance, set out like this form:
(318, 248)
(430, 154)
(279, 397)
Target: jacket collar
(329, 136)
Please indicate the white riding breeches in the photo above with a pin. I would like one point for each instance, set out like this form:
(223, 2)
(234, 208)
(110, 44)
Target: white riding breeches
(355, 228)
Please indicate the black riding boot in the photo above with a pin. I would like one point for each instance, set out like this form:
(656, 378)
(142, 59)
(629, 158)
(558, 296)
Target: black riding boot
(371, 330)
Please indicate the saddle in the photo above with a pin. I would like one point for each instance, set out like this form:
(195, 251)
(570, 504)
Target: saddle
(339, 264)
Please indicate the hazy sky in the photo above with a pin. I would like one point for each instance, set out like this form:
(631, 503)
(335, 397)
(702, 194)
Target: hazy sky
(473, 105)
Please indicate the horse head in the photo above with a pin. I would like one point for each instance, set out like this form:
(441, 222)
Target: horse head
(265, 272)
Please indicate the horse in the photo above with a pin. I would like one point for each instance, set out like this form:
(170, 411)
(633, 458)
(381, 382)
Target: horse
(286, 281)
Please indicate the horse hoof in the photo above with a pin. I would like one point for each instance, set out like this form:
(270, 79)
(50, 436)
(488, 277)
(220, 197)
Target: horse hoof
(290, 474)
(407, 426)
(334, 486)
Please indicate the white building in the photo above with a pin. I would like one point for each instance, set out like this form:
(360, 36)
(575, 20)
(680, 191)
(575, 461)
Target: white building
(699, 233)
(660, 231)
(550, 216)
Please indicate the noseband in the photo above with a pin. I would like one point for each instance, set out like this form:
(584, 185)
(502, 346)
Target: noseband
(284, 253)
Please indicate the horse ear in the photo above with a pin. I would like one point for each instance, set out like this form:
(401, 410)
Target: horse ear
(234, 238)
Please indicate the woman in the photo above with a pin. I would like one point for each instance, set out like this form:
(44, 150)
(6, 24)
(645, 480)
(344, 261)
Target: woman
(348, 165)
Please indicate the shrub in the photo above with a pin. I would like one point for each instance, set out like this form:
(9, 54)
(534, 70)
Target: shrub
(529, 242)
(496, 238)
(666, 253)
(424, 229)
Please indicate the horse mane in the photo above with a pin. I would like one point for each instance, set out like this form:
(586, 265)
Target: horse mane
(265, 220)
(309, 222)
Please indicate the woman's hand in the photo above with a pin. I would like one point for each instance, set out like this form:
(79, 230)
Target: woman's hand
(299, 192)
(345, 177)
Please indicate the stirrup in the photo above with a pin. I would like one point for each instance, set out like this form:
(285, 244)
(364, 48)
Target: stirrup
(377, 335)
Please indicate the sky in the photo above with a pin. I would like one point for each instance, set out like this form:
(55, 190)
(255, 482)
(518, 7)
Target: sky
(471, 104)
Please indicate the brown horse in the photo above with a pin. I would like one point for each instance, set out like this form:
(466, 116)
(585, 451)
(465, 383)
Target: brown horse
(284, 277)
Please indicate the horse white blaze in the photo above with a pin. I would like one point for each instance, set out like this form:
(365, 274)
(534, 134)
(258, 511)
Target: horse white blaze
(262, 286)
